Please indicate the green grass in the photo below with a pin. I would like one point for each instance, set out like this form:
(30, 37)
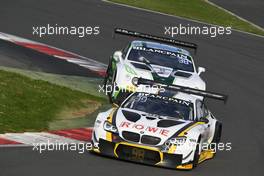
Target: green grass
(30, 105)
(194, 9)
(87, 85)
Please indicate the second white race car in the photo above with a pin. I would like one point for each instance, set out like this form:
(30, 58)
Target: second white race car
(156, 61)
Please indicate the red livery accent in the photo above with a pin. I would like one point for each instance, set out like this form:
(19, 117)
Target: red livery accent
(125, 124)
(164, 132)
(138, 127)
(154, 130)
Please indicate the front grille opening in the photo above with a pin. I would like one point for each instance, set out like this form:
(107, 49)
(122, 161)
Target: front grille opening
(150, 140)
(130, 136)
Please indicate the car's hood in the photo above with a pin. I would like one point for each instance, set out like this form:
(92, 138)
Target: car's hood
(141, 123)
(168, 75)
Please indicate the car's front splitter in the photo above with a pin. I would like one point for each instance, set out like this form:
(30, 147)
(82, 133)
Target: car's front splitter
(141, 154)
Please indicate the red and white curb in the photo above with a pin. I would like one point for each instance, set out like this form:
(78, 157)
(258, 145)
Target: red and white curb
(82, 61)
(80, 135)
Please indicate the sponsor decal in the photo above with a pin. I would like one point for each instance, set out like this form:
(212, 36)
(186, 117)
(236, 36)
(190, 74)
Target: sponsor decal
(141, 127)
(175, 100)
(183, 59)
(130, 70)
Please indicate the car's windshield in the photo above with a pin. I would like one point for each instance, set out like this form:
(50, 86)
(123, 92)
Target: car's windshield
(160, 57)
(159, 105)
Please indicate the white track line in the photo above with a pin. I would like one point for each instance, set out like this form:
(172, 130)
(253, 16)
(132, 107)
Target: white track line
(87, 62)
(178, 17)
(29, 138)
(14, 39)
(231, 13)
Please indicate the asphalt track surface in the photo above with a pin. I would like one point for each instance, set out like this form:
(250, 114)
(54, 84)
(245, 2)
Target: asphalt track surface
(16, 56)
(234, 65)
(251, 10)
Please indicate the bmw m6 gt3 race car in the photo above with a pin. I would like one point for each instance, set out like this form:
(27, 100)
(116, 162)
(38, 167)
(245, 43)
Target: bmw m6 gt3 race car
(164, 129)
(151, 60)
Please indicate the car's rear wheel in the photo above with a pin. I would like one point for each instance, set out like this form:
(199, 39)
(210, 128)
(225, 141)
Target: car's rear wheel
(218, 133)
(108, 73)
(196, 153)
(109, 81)
(110, 87)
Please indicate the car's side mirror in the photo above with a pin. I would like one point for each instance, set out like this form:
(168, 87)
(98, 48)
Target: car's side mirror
(203, 119)
(201, 70)
(117, 56)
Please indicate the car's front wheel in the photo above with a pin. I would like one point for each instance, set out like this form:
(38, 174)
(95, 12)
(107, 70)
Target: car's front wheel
(109, 85)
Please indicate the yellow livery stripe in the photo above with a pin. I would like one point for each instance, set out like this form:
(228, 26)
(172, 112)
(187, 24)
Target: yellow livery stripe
(172, 148)
(110, 119)
(205, 155)
(189, 128)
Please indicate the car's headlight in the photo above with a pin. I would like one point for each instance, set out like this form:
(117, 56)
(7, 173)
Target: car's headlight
(109, 127)
(177, 140)
(135, 81)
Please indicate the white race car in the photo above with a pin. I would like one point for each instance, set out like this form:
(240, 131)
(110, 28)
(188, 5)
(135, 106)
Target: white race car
(151, 60)
(159, 129)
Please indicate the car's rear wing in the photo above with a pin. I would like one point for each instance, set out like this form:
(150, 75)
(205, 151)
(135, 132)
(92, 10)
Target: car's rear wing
(208, 94)
(156, 38)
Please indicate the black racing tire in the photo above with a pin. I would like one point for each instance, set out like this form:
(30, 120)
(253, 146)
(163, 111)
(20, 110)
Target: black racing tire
(105, 80)
(92, 143)
(106, 83)
(109, 93)
(110, 80)
(108, 72)
(218, 133)
(113, 86)
(196, 154)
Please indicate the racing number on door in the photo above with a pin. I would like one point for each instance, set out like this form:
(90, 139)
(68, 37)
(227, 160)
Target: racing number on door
(138, 154)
